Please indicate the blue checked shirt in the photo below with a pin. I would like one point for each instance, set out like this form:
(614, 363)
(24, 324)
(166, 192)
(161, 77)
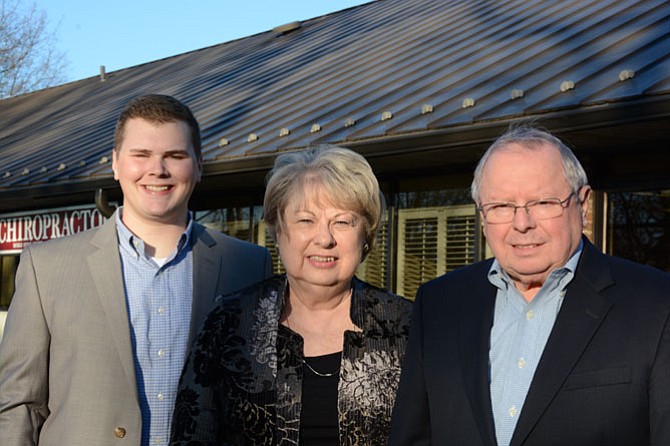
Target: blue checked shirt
(518, 337)
(159, 307)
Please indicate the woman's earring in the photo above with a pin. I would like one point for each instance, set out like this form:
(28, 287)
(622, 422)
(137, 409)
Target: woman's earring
(366, 248)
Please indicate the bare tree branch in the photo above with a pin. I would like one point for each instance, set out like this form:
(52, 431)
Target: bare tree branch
(29, 59)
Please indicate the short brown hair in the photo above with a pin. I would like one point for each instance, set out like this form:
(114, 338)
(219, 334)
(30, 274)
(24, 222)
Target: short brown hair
(158, 108)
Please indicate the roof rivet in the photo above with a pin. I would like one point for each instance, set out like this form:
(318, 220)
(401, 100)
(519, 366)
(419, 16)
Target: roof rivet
(284, 132)
(468, 102)
(426, 108)
(26, 171)
(7, 174)
(315, 128)
(103, 160)
(62, 166)
(223, 142)
(287, 28)
(567, 85)
(516, 93)
(626, 74)
(349, 122)
(252, 137)
(386, 115)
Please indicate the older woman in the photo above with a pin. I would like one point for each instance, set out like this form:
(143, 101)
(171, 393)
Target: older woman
(313, 356)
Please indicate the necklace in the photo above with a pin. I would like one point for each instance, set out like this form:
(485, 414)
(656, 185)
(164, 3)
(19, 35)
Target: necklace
(288, 325)
(323, 375)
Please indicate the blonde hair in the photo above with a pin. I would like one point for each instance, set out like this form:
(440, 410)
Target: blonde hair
(344, 175)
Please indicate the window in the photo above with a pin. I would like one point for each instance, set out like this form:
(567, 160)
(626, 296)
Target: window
(264, 239)
(638, 227)
(374, 268)
(433, 241)
(236, 222)
(8, 265)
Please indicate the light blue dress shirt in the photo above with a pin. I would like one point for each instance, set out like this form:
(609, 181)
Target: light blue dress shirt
(518, 337)
(159, 307)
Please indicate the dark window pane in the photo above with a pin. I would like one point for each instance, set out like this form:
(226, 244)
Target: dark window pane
(639, 227)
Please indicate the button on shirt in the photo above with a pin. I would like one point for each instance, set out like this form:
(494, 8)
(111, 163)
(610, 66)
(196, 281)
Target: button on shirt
(159, 295)
(518, 337)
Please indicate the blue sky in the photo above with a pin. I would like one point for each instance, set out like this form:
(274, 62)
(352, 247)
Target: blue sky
(124, 33)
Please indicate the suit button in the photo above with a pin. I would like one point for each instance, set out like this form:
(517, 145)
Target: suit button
(119, 432)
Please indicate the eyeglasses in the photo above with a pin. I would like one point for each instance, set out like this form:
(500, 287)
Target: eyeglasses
(542, 209)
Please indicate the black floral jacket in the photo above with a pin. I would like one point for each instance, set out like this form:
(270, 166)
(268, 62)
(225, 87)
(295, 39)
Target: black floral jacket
(242, 382)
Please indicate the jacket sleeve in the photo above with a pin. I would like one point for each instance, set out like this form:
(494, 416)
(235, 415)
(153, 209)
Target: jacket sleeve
(659, 391)
(410, 425)
(24, 361)
(268, 265)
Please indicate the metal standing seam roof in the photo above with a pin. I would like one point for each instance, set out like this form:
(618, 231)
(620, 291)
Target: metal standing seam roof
(387, 68)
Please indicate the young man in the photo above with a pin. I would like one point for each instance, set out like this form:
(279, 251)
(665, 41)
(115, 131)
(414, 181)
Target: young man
(551, 343)
(100, 323)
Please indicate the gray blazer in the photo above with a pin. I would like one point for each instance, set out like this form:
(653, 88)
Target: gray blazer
(67, 375)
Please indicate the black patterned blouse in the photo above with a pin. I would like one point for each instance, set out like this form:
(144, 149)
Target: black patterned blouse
(242, 382)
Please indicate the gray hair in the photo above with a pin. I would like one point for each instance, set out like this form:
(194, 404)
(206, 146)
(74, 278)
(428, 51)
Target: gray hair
(533, 138)
(345, 176)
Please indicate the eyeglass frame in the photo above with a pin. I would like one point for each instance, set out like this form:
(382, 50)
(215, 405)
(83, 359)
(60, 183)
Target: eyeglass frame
(563, 203)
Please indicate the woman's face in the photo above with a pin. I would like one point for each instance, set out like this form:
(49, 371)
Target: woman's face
(321, 245)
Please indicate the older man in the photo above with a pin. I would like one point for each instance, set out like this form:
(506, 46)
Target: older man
(549, 343)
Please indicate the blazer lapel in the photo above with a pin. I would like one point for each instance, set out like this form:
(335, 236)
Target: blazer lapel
(104, 264)
(475, 332)
(206, 277)
(581, 314)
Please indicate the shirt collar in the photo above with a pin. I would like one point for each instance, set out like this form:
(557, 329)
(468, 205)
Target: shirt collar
(128, 240)
(498, 277)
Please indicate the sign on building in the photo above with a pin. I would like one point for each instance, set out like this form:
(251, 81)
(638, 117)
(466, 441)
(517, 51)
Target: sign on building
(20, 229)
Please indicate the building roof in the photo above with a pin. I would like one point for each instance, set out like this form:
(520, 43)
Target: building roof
(387, 77)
